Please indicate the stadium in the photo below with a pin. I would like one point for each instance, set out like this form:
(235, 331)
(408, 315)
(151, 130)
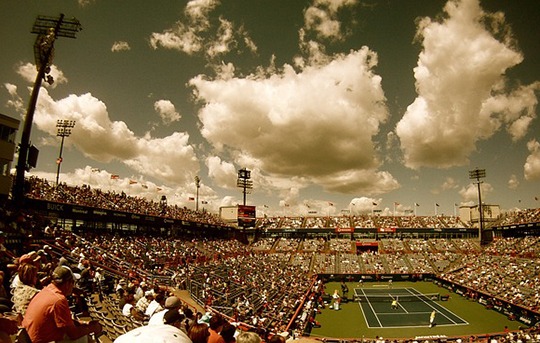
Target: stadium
(277, 278)
(339, 108)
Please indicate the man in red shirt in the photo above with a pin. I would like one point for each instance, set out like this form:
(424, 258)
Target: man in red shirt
(216, 325)
(48, 317)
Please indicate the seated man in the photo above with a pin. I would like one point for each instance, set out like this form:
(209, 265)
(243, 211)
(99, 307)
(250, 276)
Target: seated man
(48, 317)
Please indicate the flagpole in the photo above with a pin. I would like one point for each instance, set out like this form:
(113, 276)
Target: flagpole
(414, 209)
(436, 209)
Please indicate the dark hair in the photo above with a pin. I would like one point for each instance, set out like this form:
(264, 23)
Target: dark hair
(277, 339)
(228, 332)
(28, 274)
(198, 333)
(216, 321)
(172, 316)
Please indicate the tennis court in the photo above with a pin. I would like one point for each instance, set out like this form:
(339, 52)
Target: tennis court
(411, 308)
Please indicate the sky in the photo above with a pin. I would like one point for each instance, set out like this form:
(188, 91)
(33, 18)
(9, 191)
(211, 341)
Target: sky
(335, 106)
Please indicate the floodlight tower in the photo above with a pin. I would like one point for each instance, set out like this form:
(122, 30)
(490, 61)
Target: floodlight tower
(244, 182)
(47, 29)
(478, 174)
(63, 129)
(198, 185)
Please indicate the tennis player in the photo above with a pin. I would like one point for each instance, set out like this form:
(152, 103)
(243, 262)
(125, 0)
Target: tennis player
(432, 319)
(394, 304)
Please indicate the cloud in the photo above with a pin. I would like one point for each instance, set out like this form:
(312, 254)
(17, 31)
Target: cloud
(223, 174)
(84, 3)
(470, 192)
(461, 91)
(517, 110)
(513, 182)
(449, 183)
(322, 19)
(16, 101)
(169, 159)
(120, 46)
(317, 124)
(363, 205)
(166, 111)
(532, 165)
(29, 72)
(195, 33)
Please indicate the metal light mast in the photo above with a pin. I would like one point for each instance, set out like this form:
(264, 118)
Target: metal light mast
(244, 182)
(63, 129)
(198, 185)
(478, 174)
(47, 29)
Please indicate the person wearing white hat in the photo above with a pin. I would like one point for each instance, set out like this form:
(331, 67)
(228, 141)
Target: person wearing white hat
(171, 303)
(169, 332)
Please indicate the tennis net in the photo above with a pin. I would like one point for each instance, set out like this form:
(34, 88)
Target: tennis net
(399, 297)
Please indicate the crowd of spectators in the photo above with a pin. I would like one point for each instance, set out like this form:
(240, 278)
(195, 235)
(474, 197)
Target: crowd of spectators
(262, 284)
(266, 283)
(84, 195)
(360, 221)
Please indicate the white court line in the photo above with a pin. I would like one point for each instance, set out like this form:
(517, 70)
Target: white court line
(372, 310)
(437, 309)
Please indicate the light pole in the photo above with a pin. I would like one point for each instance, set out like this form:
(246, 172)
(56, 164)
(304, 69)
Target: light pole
(48, 29)
(478, 174)
(63, 129)
(198, 185)
(244, 182)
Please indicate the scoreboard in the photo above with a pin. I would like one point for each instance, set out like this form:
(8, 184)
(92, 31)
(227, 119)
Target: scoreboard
(246, 216)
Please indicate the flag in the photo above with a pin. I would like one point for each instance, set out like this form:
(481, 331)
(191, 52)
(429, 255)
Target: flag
(437, 205)
(115, 176)
(191, 199)
(131, 182)
(416, 204)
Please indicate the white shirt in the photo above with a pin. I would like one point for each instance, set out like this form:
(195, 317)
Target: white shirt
(152, 308)
(157, 318)
(154, 334)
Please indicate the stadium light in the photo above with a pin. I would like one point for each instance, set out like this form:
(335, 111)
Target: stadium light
(198, 185)
(478, 174)
(63, 129)
(47, 29)
(244, 182)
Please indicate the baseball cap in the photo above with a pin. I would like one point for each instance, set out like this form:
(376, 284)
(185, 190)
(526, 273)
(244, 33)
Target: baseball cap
(64, 273)
(172, 302)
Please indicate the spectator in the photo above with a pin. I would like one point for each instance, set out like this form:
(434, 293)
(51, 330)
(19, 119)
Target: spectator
(169, 332)
(228, 332)
(248, 337)
(199, 333)
(26, 287)
(171, 303)
(48, 317)
(216, 325)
